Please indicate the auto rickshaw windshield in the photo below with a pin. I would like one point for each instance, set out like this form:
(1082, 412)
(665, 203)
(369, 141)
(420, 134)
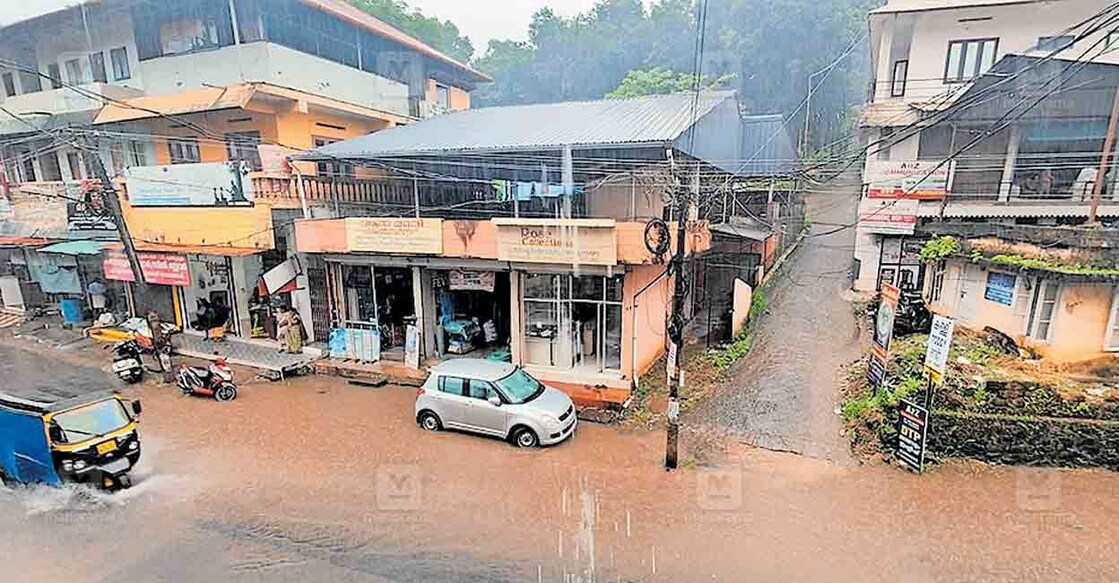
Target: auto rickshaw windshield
(90, 421)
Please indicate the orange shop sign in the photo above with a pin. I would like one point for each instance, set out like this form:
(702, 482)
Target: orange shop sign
(393, 235)
(566, 242)
(159, 268)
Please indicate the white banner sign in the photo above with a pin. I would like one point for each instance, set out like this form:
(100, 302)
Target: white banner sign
(472, 280)
(916, 179)
(936, 352)
(209, 184)
(888, 217)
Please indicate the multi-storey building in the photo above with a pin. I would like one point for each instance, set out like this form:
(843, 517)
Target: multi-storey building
(928, 159)
(168, 94)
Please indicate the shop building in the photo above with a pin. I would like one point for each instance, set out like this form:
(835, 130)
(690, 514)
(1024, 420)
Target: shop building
(534, 234)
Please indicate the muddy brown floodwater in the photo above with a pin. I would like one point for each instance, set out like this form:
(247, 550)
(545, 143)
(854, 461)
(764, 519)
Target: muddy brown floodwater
(316, 480)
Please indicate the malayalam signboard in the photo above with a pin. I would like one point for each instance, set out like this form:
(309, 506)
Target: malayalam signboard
(888, 216)
(569, 242)
(883, 334)
(395, 235)
(936, 351)
(158, 268)
(909, 179)
(205, 184)
(913, 432)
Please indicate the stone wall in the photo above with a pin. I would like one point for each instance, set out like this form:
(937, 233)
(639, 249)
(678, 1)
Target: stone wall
(1006, 439)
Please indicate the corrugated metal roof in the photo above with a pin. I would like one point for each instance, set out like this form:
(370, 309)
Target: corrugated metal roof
(767, 145)
(609, 122)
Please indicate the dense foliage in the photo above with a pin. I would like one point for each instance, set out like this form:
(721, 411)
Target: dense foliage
(764, 48)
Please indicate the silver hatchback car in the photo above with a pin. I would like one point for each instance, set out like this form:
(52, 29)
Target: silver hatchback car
(494, 398)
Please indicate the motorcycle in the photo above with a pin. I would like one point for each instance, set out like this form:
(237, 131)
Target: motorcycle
(214, 381)
(127, 356)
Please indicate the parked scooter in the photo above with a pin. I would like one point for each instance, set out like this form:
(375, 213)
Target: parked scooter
(214, 381)
(126, 361)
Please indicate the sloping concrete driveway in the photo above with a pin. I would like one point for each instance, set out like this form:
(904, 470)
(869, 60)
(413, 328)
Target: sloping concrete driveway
(783, 395)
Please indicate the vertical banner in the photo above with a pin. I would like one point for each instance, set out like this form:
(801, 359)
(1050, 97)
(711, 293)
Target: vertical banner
(936, 351)
(412, 347)
(883, 334)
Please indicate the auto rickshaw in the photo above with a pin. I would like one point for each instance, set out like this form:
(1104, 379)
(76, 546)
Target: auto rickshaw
(58, 435)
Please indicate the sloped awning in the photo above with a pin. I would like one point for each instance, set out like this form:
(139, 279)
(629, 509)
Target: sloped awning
(16, 241)
(193, 101)
(84, 247)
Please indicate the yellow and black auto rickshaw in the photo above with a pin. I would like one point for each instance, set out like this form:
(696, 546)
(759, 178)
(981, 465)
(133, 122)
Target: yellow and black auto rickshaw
(66, 434)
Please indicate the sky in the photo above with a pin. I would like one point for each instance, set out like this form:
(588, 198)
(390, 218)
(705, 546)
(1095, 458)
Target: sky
(481, 20)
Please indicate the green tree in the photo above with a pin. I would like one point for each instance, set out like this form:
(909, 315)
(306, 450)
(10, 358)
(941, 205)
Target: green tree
(659, 81)
(439, 34)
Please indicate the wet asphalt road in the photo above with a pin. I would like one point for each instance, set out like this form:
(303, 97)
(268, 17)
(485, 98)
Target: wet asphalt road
(782, 396)
(312, 479)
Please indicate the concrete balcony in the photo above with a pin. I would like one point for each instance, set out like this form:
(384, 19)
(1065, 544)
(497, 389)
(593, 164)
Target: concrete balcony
(65, 100)
(278, 65)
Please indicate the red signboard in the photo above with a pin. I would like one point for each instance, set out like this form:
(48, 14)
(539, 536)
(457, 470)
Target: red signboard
(159, 268)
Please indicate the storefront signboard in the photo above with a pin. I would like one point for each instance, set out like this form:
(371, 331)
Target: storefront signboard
(461, 280)
(205, 184)
(159, 268)
(913, 432)
(909, 179)
(395, 235)
(588, 242)
(888, 216)
(936, 351)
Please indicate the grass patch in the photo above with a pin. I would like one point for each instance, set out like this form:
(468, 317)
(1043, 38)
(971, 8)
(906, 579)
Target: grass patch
(728, 354)
(1053, 264)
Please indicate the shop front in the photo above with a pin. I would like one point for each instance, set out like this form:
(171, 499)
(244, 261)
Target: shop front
(164, 274)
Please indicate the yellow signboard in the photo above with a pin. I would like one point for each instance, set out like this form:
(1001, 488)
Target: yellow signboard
(395, 235)
(566, 242)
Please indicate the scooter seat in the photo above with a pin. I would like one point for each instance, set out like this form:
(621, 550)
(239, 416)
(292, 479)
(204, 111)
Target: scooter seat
(200, 371)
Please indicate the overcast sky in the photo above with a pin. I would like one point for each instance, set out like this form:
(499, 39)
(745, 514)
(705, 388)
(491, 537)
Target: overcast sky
(481, 20)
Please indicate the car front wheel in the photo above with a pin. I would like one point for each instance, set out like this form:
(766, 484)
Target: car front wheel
(525, 438)
(430, 421)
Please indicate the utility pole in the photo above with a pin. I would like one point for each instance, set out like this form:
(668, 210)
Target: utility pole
(1101, 175)
(676, 324)
(95, 167)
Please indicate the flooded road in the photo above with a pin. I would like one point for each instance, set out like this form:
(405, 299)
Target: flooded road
(316, 480)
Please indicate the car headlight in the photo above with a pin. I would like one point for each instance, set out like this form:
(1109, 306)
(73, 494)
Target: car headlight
(133, 446)
(549, 420)
(80, 465)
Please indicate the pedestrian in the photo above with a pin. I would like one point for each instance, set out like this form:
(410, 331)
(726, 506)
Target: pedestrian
(283, 323)
(295, 333)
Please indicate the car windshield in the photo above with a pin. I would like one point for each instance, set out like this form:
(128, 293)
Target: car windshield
(91, 420)
(520, 387)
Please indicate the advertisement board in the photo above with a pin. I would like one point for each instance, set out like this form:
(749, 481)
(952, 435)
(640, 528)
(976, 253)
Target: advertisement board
(883, 334)
(908, 179)
(158, 268)
(206, 184)
(888, 216)
(913, 431)
(936, 351)
(589, 242)
(461, 280)
(395, 235)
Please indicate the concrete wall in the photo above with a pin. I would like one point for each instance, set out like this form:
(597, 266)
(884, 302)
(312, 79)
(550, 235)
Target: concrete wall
(644, 318)
(278, 65)
(237, 227)
(1079, 327)
(624, 198)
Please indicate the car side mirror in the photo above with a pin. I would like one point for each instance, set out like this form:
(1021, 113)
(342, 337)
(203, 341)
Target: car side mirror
(137, 408)
(494, 400)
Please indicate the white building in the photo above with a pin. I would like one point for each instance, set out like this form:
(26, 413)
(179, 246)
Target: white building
(925, 55)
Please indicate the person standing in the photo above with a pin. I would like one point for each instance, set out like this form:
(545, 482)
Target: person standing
(294, 332)
(283, 325)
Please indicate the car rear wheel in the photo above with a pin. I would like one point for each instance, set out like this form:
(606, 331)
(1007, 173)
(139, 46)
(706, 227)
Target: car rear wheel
(430, 421)
(526, 438)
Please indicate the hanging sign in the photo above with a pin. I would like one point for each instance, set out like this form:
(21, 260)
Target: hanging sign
(158, 268)
(936, 352)
(913, 432)
(471, 280)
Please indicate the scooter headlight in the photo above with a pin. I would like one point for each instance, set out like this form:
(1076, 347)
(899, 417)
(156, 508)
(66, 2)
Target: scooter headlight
(133, 446)
(79, 465)
(67, 465)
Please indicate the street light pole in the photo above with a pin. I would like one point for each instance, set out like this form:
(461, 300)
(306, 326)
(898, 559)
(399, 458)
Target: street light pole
(808, 111)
